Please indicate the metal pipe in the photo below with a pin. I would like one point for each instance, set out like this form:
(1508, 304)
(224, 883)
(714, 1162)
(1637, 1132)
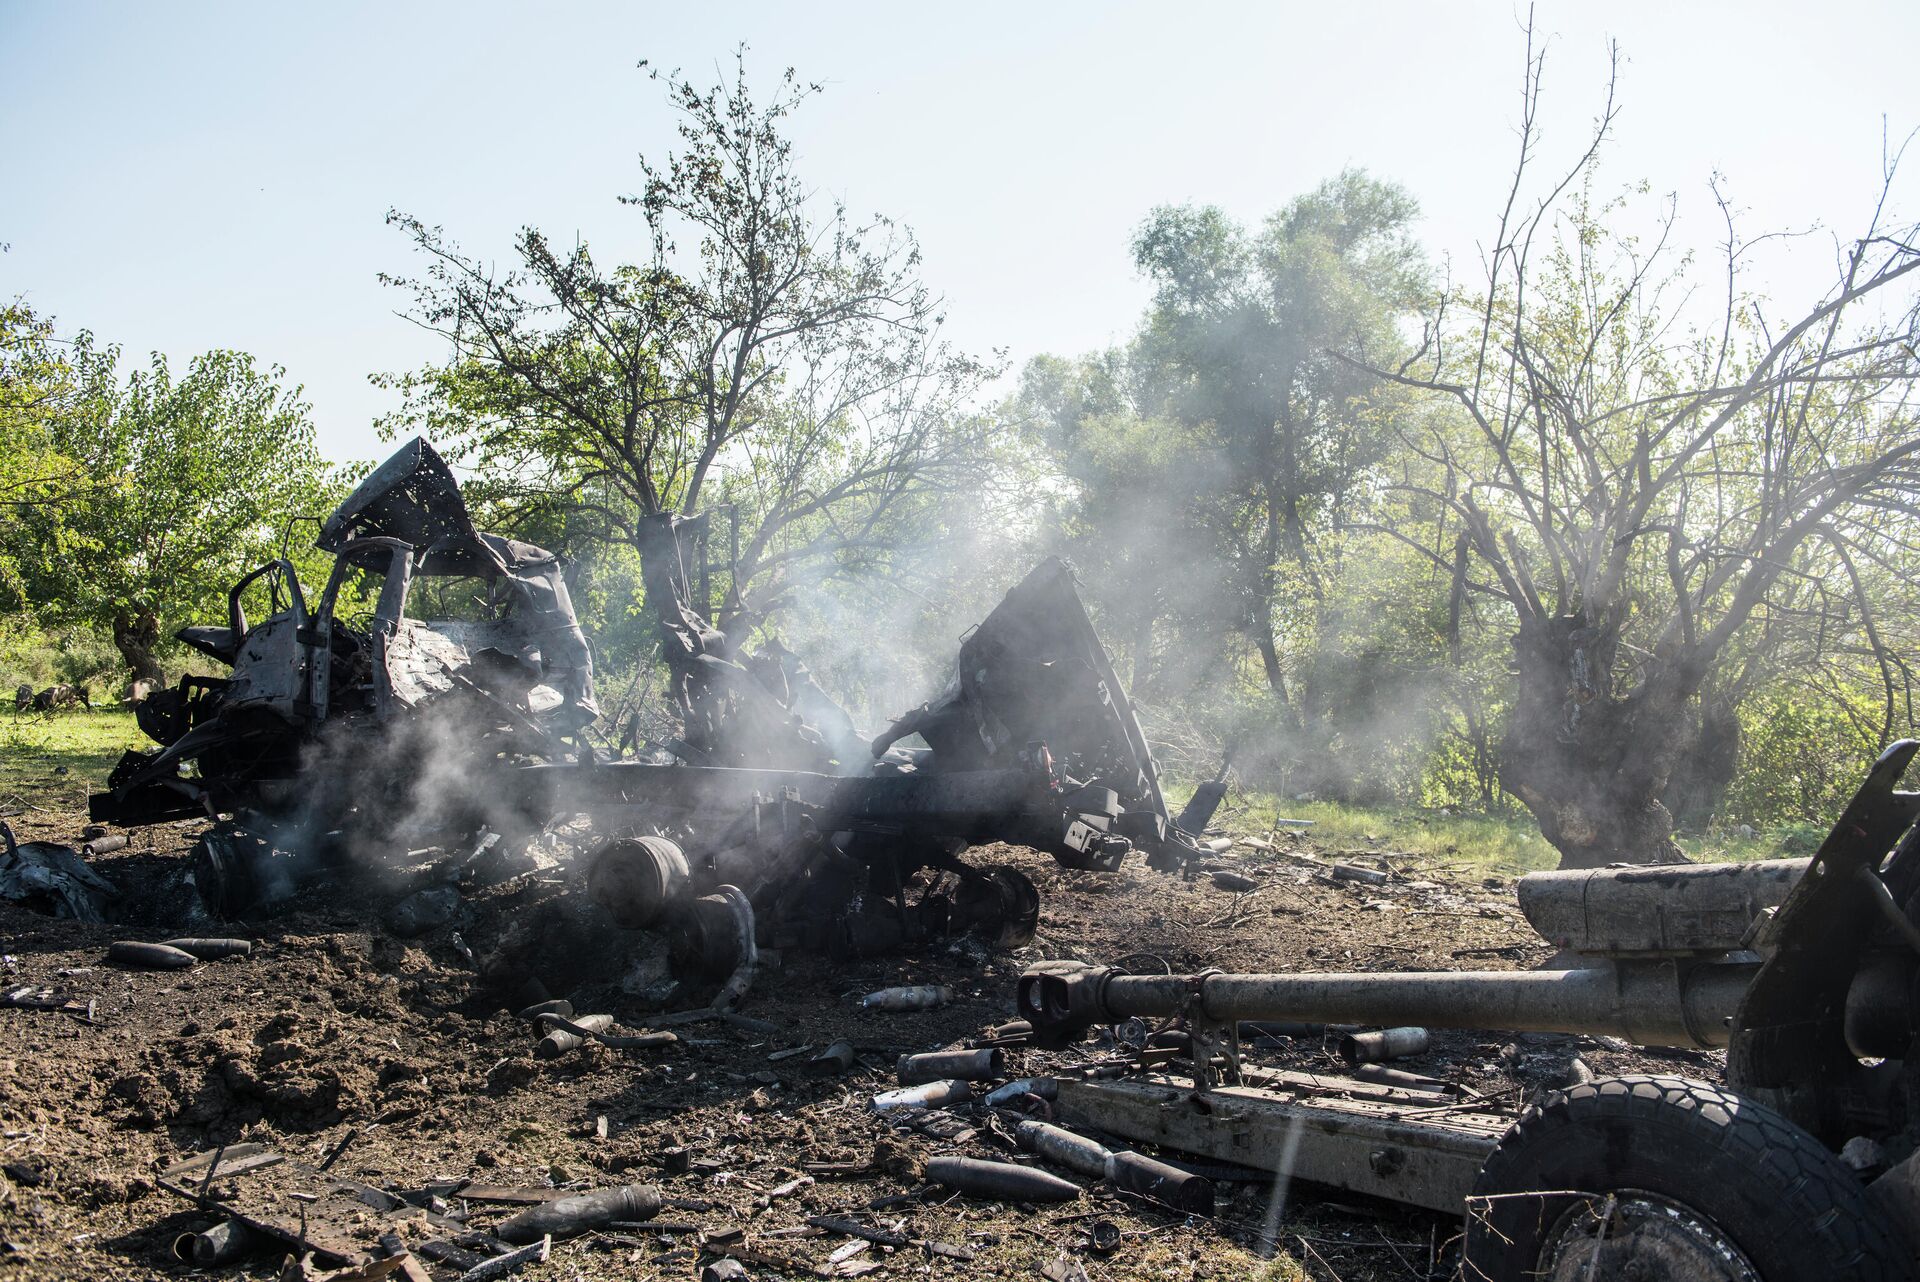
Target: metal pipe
(224, 1243)
(1383, 1044)
(1653, 1003)
(567, 1035)
(937, 1066)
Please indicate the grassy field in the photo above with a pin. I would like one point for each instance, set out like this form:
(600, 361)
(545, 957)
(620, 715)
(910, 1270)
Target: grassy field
(1499, 844)
(53, 762)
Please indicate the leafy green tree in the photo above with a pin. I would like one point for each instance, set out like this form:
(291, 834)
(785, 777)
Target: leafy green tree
(42, 381)
(1213, 464)
(191, 481)
(1242, 349)
(1131, 516)
(770, 352)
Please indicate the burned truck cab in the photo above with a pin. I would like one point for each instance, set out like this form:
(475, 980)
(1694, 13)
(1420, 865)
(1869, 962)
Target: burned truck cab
(507, 674)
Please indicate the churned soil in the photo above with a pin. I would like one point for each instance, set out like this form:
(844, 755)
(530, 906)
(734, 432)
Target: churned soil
(407, 1050)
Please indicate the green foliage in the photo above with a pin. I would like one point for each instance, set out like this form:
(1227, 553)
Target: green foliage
(181, 484)
(770, 353)
(1249, 348)
(42, 383)
(1448, 837)
(1802, 755)
(70, 656)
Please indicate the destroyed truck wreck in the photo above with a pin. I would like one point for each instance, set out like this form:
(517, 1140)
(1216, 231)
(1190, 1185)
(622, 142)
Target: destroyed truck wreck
(346, 740)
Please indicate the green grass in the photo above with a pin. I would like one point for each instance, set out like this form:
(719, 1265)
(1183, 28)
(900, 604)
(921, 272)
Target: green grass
(1497, 844)
(1490, 842)
(1795, 841)
(35, 749)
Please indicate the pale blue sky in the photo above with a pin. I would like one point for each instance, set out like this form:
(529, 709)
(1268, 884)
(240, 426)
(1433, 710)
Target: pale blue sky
(190, 176)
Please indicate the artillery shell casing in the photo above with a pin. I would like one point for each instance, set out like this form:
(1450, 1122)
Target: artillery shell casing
(1168, 1185)
(1385, 1044)
(1001, 1180)
(213, 949)
(222, 1244)
(914, 997)
(558, 1041)
(1042, 1087)
(131, 952)
(571, 1216)
(104, 845)
(724, 1269)
(966, 1066)
(1062, 1147)
(1379, 1075)
(929, 1095)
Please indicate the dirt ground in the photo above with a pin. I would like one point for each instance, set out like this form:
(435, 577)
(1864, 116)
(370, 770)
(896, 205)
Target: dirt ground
(333, 1031)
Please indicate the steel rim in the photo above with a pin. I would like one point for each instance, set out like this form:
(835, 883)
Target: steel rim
(1637, 1236)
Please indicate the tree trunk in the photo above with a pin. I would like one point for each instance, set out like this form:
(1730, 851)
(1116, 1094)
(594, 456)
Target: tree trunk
(135, 633)
(1270, 665)
(1590, 765)
(1697, 786)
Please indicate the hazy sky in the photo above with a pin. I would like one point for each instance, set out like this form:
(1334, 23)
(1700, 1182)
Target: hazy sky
(183, 177)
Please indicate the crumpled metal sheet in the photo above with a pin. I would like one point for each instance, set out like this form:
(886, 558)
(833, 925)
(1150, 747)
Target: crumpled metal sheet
(45, 876)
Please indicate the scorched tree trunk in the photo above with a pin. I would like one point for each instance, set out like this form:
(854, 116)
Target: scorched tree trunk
(1590, 764)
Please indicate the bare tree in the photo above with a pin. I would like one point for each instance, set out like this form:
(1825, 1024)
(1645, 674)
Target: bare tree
(1638, 495)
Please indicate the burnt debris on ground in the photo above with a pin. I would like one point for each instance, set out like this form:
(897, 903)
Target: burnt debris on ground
(423, 1080)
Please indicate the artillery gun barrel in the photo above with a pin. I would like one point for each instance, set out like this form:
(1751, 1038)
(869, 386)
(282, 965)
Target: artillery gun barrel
(1652, 1002)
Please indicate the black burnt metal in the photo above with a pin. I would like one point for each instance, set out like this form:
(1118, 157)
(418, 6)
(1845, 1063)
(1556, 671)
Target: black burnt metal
(343, 729)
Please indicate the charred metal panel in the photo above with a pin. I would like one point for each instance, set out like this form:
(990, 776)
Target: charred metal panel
(411, 497)
(1344, 1144)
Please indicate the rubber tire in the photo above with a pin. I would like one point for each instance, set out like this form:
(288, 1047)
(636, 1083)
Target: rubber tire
(1776, 1192)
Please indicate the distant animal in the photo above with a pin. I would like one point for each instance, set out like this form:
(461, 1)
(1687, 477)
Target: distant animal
(23, 697)
(55, 697)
